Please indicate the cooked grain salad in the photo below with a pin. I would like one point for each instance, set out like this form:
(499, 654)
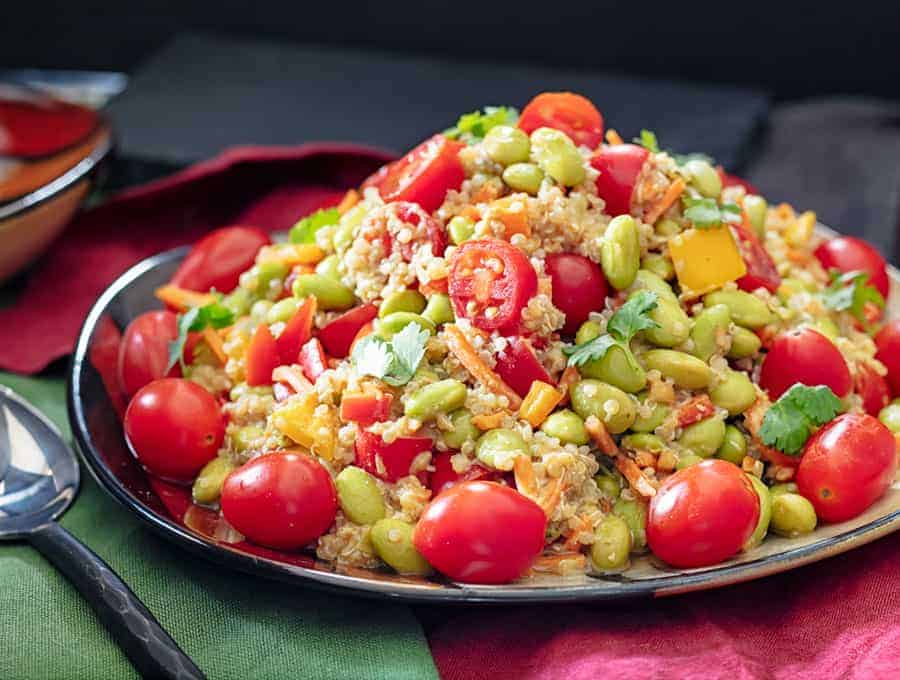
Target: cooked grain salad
(526, 346)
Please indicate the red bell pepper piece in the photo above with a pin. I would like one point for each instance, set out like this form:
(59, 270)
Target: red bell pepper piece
(338, 336)
(297, 331)
(262, 357)
(391, 461)
(312, 359)
(519, 366)
(366, 408)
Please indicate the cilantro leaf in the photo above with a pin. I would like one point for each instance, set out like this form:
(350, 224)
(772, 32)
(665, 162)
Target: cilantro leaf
(372, 356)
(621, 328)
(590, 350)
(305, 230)
(394, 361)
(851, 292)
(475, 125)
(648, 141)
(705, 213)
(195, 319)
(789, 421)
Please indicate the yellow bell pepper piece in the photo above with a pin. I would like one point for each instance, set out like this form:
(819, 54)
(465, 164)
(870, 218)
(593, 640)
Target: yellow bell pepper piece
(311, 427)
(291, 254)
(798, 234)
(705, 259)
(539, 402)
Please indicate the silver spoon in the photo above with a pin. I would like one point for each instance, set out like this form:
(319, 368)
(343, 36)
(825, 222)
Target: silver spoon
(39, 478)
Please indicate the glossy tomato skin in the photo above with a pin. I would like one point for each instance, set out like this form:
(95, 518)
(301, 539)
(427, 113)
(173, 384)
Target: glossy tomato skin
(144, 350)
(702, 514)
(338, 336)
(567, 112)
(174, 427)
(423, 176)
(444, 476)
(619, 167)
(579, 287)
(872, 388)
(761, 269)
(887, 341)
(474, 279)
(804, 356)
(848, 253)
(481, 532)
(847, 466)
(219, 258)
(518, 366)
(386, 461)
(280, 500)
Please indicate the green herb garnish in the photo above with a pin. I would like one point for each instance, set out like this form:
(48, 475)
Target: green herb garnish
(648, 141)
(214, 314)
(706, 213)
(851, 292)
(305, 230)
(628, 320)
(394, 361)
(789, 421)
(473, 126)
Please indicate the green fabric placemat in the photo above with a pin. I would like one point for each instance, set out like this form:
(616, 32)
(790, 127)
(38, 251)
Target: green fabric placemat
(232, 625)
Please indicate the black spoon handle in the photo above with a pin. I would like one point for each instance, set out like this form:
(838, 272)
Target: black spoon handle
(150, 649)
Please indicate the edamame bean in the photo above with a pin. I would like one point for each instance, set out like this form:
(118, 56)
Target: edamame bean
(461, 229)
(674, 323)
(359, 496)
(617, 367)
(792, 515)
(890, 416)
(685, 370)
(827, 327)
(734, 446)
(557, 156)
(500, 447)
(744, 343)
(612, 544)
(243, 438)
(643, 441)
(330, 267)
(620, 252)
(735, 392)
(659, 265)
(565, 426)
(396, 321)
(746, 310)
(609, 485)
(704, 178)
(634, 513)
(704, 437)
(463, 430)
(440, 397)
(608, 403)
(785, 487)
(687, 459)
(208, 484)
(402, 301)
(393, 543)
(260, 310)
(525, 177)
(587, 332)
(506, 145)
(439, 310)
(342, 237)
(658, 413)
(329, 294)
(282, 310)
(667, 227)
(258, 279)
(756, 209)
(765, 513)
(238, 301)
(710, 331)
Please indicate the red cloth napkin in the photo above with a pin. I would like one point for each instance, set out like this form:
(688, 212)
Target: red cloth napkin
(267, 187)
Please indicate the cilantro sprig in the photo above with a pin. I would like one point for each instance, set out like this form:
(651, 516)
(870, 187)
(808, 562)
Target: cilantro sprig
(851, 292)
(789, 421)
(628, 320)
(473, 126)
(214, 314)
(706, 213)
(394, 361)
(648, 141)
(305, 230)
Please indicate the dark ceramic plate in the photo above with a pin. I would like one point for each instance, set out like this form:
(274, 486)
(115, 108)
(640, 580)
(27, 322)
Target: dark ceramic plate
(167, 509)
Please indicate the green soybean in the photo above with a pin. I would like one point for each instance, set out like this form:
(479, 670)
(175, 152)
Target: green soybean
(792, 515)
(587, 332)
(784, 487)
(604, 401)
(342, 237)
(734, 446)
(744, 343)
(827, 327)
(643, 441)
(395, 322)
(735, 392)
(703, 438)
(439, 310)
(612, 544)
(500, 447)
(667, 227)
(685, 370)
(687, 459)
(609, 485)
(238, 301)
(710, 327)
(525, 177)
(658, 413)
(461, 229)
(890, 417)
(704, 178)
(756, 209)
(659, 265)
(243, 438)
(329, 294)
(617, 367)
(393, 543)
(439, 397)
(282, 310)
(359, 496)
(258, 279)
(506, 145)
(746, 310)
(557, 156)
(565, 426)
(259, 310)
(463, 430)
(402, 301)
(620, 252)
(208, 484)
(634, 513)
(330, 267)
(765, 513)
(674, 324)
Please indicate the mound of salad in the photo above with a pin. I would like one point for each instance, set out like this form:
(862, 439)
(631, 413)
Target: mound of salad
(526, 346)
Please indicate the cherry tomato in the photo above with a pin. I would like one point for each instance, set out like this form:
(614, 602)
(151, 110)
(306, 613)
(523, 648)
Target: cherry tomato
(619, 167)
(804, 356)
(366, 408)
(702, 514)
(338, 336)
(847, 466)
(481, 532)
(422, 176)
(729, 180)
(888, 343)
(519, 367)
(444, 476)
(280, 500)
(496, 278)
(175, 427)
(296, 332)
(579, 287)
(761, 270)
(262, 357)
(219, 258)
(391, 461)
(567, 112)
(847, 254)
(144, 350)
(872, 388)
(312, 359)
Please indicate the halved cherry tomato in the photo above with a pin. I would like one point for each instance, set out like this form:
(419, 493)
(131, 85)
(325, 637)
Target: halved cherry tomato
(366, 408)
(761, 270)
(805, 356)
(262, 357)
(619, 167)
(702, 514)
(422, 176)
(887, 340)
(280, 500)
(338, 336)
(444, 476)
(296, 332)
(481, 532)
(175, 427)
(391, 461)
(579, 287)
(848, 253)
(729, 180)
(219, 258)
(872, 388)
(847, 466)
(312, 359)
(567, 112)
(519, 367)
(496, 279)
(144, 350)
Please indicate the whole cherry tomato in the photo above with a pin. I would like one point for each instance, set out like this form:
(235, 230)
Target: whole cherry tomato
(579, 287)
(872, 388)
(848, 253)
(144, 350)
(619, 167)
(518, 365)
(847, 466)
(761, 270)
(888, 343)
(338, 335)
(805, 356)
(219, 258)
(175, 427)
(702, 514)
(280, 500)
(491, 281)
(262, 356)
(481, 532)
(567, 112)
(444, 476)
(386, 461)
(422, 176)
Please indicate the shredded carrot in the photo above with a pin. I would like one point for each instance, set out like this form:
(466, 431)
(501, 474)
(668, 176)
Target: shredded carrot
(569, 377)
(350, 199)
(695, 410)
(462, 349)
(598, 432)
(613, 138)
(488, 421)
(796, 255)
(572, 540)
(668, 199)
(292, 254)
(293, 377)
(644, 458)
(640, 484)
(523, 471)
(182, 299)
(214, 340)
(550, 499)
